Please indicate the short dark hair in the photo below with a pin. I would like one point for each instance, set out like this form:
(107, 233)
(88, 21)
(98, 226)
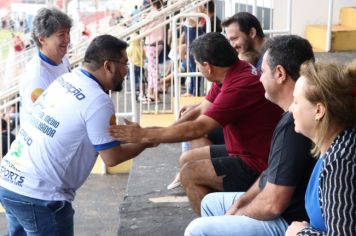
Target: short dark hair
(48, 21)
(289, 51)
(215, 49)
(157, 3)
(246, 22)
(102, 48)
(210, 6)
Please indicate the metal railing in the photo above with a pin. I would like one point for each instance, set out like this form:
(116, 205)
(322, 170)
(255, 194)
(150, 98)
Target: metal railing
(176, 74)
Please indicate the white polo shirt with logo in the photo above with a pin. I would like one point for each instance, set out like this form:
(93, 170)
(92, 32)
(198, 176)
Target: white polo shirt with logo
(57, 145)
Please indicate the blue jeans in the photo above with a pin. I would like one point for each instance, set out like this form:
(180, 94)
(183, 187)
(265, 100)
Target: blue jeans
(137, 73)
(34, 217)
(195, 87)
(214, 223)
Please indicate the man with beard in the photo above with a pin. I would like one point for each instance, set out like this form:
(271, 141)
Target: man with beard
(58, 144)
(245, 34)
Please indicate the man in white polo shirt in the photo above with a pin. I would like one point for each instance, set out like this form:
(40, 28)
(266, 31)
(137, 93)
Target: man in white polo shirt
(59, 141)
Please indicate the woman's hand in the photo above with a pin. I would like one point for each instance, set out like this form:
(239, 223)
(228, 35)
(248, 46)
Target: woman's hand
(296, 227)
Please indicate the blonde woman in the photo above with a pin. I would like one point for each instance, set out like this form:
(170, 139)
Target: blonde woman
(324, 110)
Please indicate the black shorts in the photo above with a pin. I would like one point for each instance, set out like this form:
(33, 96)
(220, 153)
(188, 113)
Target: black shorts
(216, 136)
(238, 176)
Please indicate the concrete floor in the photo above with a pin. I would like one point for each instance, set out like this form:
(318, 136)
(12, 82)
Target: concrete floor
(149, 208)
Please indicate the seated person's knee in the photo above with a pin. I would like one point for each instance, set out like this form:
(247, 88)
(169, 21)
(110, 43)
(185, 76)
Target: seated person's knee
(187, 172)
(184, 158)
(207, 200)
(195, 227)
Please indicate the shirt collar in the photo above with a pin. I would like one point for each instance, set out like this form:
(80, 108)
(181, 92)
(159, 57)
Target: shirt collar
(91, 76)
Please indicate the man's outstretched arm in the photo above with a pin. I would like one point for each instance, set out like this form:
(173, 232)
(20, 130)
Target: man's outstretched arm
(121, 153)
(181, 132)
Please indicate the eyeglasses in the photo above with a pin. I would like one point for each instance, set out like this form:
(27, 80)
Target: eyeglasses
(121, 62)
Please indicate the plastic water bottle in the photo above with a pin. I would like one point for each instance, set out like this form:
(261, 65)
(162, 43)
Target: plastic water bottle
(185, 146)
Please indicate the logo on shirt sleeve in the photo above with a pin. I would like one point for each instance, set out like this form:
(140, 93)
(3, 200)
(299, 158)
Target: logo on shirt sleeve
(16, 150)
(36, 93)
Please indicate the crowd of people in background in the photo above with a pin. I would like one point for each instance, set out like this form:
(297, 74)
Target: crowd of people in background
(273, 142)
(18, 23)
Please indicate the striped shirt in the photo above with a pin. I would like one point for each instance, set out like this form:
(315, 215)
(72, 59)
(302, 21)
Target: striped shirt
(337, 187)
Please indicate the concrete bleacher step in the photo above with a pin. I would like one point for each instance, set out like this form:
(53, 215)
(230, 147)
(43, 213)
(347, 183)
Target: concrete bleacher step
(343, 35)
(348, 16)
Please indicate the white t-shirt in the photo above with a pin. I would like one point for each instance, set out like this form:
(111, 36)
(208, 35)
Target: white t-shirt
(57, 145)
(40, 73)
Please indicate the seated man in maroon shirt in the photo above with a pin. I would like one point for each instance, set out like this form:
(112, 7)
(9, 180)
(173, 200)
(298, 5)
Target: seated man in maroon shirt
(235, 102)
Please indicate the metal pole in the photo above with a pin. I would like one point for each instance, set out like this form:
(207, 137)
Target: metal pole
(133, 93)
(329, 26)
(175, 66)
(230, 7)
(254, 8)
(289, 20)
